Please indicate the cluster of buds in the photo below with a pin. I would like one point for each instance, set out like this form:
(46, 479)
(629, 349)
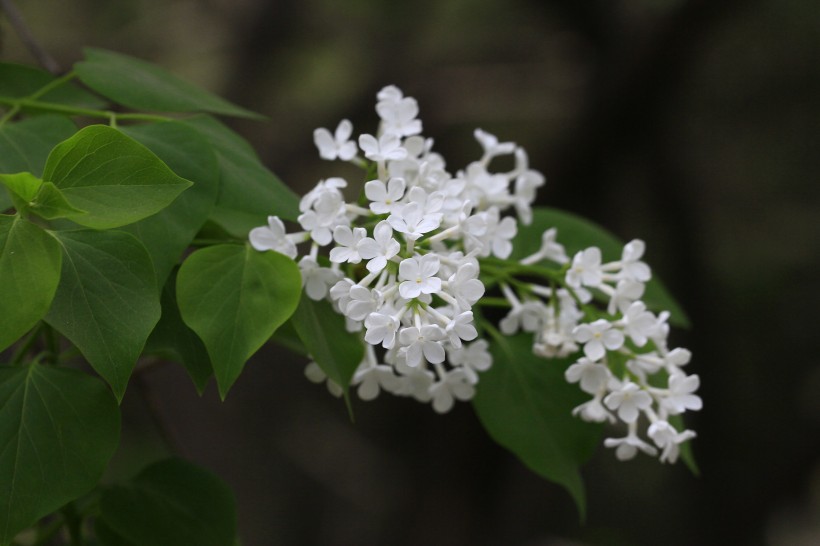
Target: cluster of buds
(403, 269)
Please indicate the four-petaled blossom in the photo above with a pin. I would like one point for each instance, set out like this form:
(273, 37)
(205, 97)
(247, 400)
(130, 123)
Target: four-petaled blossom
(597, 337)
(387, 147)
(380, 248)
(383, 198)
(585, 269)
(337, 145)
(419, 276)
(272, 237)
(349, 240)
(413, 222)
(629, 400)
(423, 343)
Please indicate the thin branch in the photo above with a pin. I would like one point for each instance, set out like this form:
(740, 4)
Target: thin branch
(27, 37)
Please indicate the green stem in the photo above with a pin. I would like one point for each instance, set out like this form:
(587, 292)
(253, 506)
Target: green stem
(54, 84)
(74, 110)
(493, 302)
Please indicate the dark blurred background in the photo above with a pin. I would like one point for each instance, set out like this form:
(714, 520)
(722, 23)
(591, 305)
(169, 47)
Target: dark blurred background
(694, 125)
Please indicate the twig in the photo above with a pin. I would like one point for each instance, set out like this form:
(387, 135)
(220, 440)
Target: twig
(27, 37)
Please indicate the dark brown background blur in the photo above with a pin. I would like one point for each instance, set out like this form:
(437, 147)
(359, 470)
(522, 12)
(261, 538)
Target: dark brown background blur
(694, 125)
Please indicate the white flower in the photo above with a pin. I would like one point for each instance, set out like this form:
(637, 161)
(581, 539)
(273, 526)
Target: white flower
(497, 238)
(626, 292)
(593, 411)
(461, 327)
(399, 116)
(681, 397)
(593, 377)
(416, 382)
(380, 248)
(597, 337)
(423, 343)
(348, 239)
(316, 280)
(362, 302)
(337, 145)
(272, 237)
(631, 266)
(491, 145)
(585, 269)
(326, 212)
(638, 323)
(668, 439)
(419, 276)
(550, 250)
(473, 358)
(371, 378)
(629, 400)
(464, 285)
(627, 447)
(528, 316)
(413, 222)
(387, 148)
(381, 328)
(384, 197)
(454, 385)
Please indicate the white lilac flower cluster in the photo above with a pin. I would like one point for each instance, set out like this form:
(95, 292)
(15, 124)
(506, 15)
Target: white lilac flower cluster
(403, 268)
(626, 337)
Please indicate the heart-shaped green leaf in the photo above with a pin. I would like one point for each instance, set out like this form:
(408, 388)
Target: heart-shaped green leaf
(234, 298)
(112, 177)
(171, 502)
(107, 301)
(58, 428)
(30, 270)
(323, 333)
(525, 404)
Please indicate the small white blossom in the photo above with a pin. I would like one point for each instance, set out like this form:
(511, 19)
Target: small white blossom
(629, 400)
(272, 237)
(337, 145)
(419, 276)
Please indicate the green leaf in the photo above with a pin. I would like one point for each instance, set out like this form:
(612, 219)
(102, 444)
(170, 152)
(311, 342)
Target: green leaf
(576, 234)
(58, 428)
(107, 301)
(168, 233)
(144, 86)
(248, 192)
(525, 404)
(30, 270)
(24, 146)
(22, 185)
(50, 203)
(234, 298)
(173, 340)
(30, 194)
(171, 502)
(323, 333)
(19, 81)
(114, 178)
